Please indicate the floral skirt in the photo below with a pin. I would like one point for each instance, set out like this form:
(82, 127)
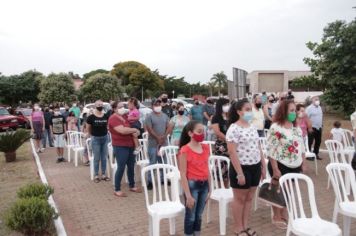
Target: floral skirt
(220, 149)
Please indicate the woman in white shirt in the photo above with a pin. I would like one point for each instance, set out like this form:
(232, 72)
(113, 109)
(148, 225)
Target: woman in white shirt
(246, 166)
(286, 151)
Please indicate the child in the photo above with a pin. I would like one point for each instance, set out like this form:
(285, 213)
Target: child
(336, 132)
(58, 130)
(134, 120)
(193, 165)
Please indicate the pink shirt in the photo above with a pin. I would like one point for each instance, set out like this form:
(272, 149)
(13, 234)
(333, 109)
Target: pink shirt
(134, 115)
(303, 125)
(37, 116)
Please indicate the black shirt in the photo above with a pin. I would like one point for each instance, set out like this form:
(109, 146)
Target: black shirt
(167, 109)
(57, 123)
(47, 118)
(221, 122)
(98, 125)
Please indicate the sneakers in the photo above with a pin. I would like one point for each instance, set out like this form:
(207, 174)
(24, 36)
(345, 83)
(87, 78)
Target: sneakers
(60, 159)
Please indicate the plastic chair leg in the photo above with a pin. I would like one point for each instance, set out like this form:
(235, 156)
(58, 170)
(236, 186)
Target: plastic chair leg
(68, 153)
(336, 211)
(222, 217)
(256, 199)
(328, 183)
(172, 226)
(150, 228)
(316, 166)
(208, 211)
(76, 159)
(155, 227)
(347, 224)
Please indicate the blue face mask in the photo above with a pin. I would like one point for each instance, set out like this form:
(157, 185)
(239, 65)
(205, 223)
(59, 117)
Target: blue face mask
(248, 116)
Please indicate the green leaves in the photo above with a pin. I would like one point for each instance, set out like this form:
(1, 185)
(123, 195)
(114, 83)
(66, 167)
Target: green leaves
(335, 62)
(11, 141)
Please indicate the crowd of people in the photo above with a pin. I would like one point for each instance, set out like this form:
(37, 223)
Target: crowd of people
(235, 126)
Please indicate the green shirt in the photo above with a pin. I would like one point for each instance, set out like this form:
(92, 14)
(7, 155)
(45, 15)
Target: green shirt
(76, 111)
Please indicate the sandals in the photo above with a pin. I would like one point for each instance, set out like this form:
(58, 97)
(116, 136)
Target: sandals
(105, 178)
(242, 233)
(247, 232)
(280, 224)
(96, 179)
(136, 190)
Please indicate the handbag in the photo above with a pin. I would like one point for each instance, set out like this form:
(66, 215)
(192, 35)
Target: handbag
(271, 194)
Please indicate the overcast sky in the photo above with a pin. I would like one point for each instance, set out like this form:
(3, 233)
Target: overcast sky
(190, 38)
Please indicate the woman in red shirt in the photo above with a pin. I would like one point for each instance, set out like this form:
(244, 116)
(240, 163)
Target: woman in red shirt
(123, 144)
(193, 165)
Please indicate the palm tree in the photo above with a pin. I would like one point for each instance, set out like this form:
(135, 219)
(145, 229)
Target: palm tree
(219, 79)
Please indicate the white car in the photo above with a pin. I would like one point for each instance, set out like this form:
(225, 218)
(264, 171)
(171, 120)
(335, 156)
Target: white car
(187, 105)
(89, 106)
(144, 111)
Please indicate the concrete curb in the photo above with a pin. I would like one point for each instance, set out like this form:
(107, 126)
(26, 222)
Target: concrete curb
(57, 222)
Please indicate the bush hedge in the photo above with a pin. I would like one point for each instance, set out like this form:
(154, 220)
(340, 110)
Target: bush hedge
(39, 190)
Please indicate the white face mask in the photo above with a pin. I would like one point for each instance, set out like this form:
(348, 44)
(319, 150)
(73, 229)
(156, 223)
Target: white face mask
(121, 111)
(37, 108)
(74, 104)
(317, 103)
(301, 115)
(226, 108)
(157, 109)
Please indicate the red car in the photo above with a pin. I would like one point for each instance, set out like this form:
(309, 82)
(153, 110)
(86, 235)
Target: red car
(7, 121)
(23, 115)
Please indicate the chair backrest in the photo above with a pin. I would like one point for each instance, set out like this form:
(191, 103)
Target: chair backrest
(215, 169)
(169, 139)
(306, 143)
(89, 148)
(145, 135)
(335, 150)
(76, 139)
(111, 155)
(263, 143)
(170, 154)
(69, 140)
(342, 178)
(290, 186)
(347, 138)
(160, 193)
(211, 145)
(143, 154)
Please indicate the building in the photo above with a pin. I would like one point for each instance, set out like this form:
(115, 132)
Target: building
(272, 80)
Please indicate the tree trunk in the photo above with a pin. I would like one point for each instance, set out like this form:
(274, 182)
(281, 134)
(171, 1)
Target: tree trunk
(10, 156)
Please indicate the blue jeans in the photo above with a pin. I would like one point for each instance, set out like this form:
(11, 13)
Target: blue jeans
(192, 220)
(124, 157)
(100, 151)
(47, 134)
(154, 159)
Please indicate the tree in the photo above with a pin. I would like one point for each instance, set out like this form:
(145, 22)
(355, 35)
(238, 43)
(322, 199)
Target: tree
(138, 75)
(220, 80)
(94, 72)
(335, 62)
(57, 88)
(310, 83)
(24, 87)
(100, 86)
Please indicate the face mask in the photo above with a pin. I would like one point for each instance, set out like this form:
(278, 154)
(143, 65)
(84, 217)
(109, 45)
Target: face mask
(181, 113)
(317, 103)
(196, 103)
(289, 93)
(301, 115)
(74, 104)
(121, 111)
(165, 100)
(209, 102)
(291, 116)
(99, 108)
(157, 109)
(173, 107)
(258, 105)
(247, 116)
(57, 113)
(271, 101)
(226, 108)
(198, 137)
(67, 109)
(36, 108)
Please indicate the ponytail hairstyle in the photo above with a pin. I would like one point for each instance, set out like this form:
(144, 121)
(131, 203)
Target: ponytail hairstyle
(184, 137)
(236, 106)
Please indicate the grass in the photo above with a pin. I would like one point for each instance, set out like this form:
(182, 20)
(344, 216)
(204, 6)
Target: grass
(14, 175)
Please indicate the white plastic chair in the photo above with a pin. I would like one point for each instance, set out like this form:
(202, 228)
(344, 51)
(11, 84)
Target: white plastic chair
(218, 191)
(211, 145)
(69, 144)
(299, 223)
(336, 153)
(263, 143)
(145, 135)
(170, 154)
(90, 157)
(163, 204)
(347, 143)
(76, 139)
(342, 174)
(266, 180)
(309, 154)
(142, 158)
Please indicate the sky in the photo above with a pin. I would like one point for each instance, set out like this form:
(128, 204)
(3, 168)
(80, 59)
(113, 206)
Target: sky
(190, 38)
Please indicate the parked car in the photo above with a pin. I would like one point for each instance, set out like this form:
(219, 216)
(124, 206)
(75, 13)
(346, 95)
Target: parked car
(24, 116)
(144, 111)
(187, 105)
(7, 121)
(87, 107)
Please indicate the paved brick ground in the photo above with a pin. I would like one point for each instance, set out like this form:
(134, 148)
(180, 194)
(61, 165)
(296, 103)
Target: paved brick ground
(89, 208)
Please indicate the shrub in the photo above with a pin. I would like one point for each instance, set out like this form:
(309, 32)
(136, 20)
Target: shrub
(11, 141)
(39, 190)
(30, 216)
